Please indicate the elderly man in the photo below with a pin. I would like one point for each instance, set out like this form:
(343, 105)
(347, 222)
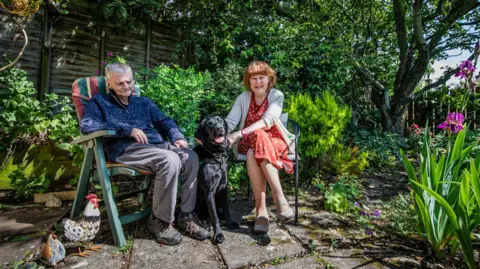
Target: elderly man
(140, 144)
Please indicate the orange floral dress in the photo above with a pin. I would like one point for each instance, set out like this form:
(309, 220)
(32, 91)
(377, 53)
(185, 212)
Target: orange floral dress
(267, 144)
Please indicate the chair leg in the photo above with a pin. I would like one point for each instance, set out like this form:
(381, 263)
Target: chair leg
(142, 197)
(113, 218)
(83, 181)
(296, 181)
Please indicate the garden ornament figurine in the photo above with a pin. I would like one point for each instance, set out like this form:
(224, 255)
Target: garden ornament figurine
(150, 141)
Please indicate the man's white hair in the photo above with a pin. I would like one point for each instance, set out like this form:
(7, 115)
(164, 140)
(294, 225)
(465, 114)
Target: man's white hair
(117, 68)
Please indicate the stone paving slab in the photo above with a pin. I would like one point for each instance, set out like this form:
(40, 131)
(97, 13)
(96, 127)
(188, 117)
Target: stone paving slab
(190, 253)
(349, 259)
(242, 248)
(14, 251)
(108, 257)
(303, 263)
(29, 220)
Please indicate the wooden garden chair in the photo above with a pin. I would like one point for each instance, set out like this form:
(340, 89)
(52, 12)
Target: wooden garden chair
(95, 165)
(293, 127)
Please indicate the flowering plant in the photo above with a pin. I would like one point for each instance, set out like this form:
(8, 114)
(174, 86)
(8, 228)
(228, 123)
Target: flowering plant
(366, 217)
(109, 59)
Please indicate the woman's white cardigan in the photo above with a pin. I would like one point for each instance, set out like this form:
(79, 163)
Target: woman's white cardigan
(239, 111)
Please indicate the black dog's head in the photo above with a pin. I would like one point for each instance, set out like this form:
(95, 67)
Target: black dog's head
(212, 132)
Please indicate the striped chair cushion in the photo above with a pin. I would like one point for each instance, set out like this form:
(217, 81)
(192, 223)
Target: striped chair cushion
(85, 88)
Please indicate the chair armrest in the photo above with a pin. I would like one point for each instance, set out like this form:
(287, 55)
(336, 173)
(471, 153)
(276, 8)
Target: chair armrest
(93, 135)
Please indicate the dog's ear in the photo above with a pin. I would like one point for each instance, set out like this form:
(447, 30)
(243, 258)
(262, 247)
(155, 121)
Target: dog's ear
(200, 133)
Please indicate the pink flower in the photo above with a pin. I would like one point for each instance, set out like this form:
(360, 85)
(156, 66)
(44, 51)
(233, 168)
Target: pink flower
(110, 54)
(454, 122)
(466, 69)
(102, 63)
(98, 71)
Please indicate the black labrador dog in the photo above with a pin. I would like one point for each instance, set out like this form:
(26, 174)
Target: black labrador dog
(212, 175)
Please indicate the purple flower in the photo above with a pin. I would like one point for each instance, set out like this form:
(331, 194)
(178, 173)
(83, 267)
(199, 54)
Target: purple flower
(98, 71)
(110, 54)
(363, 213)
(356, 204)
(368, 231)
(454, 122)
(102, 63)
(377, 213)
(466, 69)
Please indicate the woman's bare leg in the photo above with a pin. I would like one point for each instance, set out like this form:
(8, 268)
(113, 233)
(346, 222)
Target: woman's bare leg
(259, 183)
(271, 173)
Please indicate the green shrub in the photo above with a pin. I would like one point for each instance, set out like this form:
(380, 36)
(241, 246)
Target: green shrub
(26, 121)
(343, 159)
(178, 93)
(382, 147)
(228, 85)
(321, 120)
(341, 195)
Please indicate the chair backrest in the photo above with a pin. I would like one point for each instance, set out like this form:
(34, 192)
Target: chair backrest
(85, 88)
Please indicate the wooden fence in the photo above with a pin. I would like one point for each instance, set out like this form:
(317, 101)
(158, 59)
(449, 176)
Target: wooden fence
(64, 48)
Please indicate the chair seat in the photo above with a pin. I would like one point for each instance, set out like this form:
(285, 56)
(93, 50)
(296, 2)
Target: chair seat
(241, 157)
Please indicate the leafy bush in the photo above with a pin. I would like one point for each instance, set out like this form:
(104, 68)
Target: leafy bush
(343, 159)
(228, 85)
(321, 120)
(341, 195)
(26, 121)
(382, 147)
(178, 92)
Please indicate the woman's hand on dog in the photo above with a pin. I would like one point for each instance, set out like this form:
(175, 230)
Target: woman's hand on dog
(234, 137)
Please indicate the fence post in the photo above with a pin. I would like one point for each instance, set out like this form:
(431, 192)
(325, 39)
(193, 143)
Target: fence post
(149, 40)
(46, 54)
(102, 51)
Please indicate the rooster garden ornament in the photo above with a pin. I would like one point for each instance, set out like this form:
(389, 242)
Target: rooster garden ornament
(82, 231)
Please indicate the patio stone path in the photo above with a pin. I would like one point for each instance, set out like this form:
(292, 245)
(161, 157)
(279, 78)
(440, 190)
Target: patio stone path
(320, 240)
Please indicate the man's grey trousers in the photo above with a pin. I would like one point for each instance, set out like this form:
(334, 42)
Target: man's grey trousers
(169, 164)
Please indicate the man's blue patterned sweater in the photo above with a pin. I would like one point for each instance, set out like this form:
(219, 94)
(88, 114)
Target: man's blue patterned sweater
(106, 112)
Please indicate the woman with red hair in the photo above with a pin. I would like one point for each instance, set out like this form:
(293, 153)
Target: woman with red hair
(263, 139)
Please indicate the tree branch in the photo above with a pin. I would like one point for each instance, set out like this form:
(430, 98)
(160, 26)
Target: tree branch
(417, 25)
(437, 12)
(364, 73)
(458, 10)
(24, 45)
(401, 30)
(446, 76)
(282, 11)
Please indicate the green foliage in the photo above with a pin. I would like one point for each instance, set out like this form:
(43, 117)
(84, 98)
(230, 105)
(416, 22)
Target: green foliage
(340, 196)
(400, 215)
(227, 86)
(25, 121)
(381, 146)
(343, 159)
(447, 197)
(179, 93)
(321, 120)
(237, 176)
(25, 186)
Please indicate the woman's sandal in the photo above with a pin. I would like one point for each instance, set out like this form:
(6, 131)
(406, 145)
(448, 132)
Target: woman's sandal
(287, 214)
(261, 225)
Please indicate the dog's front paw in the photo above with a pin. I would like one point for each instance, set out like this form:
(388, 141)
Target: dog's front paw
(218, 238)
(233, 226)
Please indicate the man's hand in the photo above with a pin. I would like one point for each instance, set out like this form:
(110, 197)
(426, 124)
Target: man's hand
(234, 137)
(180, 143)
(139, 136)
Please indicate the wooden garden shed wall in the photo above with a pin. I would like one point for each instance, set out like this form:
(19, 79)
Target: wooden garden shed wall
(63, 48)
